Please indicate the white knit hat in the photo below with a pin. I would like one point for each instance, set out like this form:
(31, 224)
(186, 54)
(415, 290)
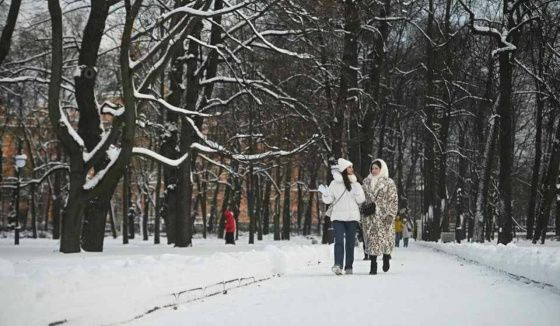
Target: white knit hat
(343, 164)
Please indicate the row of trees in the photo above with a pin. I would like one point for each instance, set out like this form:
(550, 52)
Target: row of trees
(203, 105)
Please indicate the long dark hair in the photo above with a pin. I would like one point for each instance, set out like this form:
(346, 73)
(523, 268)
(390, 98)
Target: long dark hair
(346, 180)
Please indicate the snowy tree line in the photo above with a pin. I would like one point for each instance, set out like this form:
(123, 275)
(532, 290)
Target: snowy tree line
(194, 107)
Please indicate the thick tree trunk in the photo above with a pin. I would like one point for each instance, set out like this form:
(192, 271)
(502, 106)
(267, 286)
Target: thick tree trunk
(431, 204)
(346, 102)
(536, 168)
(377, 59)
(548, 189)
(71, 227)
(507, 128)
(94, 224)
(96, 209)
(531, 207)
(484, 181)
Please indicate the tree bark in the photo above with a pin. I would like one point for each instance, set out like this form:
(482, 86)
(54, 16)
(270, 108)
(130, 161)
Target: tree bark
(431, 204)
(300, 203)
(266, 207)
(8, 30)
(484, 181)
(286, 211)
(548, 189)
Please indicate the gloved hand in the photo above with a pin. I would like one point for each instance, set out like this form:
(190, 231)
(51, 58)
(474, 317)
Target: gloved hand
(355, 189)
(323, 190)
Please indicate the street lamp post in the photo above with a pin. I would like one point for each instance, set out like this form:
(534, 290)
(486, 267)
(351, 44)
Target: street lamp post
(20, 161)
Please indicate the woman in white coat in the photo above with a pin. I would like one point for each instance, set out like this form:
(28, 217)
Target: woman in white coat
(344, 194)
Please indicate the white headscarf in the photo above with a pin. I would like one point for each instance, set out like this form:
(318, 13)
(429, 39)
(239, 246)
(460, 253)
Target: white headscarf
(384, 172)
(384, 168)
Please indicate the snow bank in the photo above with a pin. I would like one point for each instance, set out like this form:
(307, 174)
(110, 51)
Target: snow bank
(537, 263)
(94, 288)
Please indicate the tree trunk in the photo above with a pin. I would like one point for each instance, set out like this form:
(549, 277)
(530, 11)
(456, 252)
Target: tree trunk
(548, 189)
(507, 128)
(33, 210)
(431, 204)
(214, 205)
(258, 208)
(277, 207)
(531, 207)
(557, 223)
(309, 210)
(158, 207)
(94, 224)
(125, 207)
(300, 203)
(484, 181)
(96, 209)
(146, 213)
(287, 212)
(377, 60)
(8, 29)
(221, 219)
(112, 220)
(266, 207)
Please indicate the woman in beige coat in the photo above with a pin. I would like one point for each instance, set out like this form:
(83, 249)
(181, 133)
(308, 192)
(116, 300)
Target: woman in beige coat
(378, 228)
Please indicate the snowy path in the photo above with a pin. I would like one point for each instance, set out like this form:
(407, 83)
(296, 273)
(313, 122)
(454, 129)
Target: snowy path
(423, 287)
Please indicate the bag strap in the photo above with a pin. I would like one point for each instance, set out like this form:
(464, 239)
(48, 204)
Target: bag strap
(339, 198)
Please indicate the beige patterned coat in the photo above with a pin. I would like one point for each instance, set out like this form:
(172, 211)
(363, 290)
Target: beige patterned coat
(378, 228)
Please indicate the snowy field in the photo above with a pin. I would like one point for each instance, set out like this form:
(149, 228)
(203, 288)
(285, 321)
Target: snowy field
(277, 283)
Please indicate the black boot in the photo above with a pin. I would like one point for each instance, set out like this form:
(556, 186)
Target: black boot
(366, 257)
(386, 262)
(373, 268)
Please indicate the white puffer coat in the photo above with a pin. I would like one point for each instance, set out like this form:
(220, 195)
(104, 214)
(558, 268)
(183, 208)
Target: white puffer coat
(346, 208)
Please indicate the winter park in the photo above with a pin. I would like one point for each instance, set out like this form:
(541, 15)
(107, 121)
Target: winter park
(280, 162)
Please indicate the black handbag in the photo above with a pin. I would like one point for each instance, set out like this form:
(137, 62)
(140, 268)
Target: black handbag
(367, 209)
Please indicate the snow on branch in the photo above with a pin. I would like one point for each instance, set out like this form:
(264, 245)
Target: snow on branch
(113, 154)
(225, 167)
(276, 154)
(171, 107)
(206, 14)
(65, 123)
(88, 155)
(268, 44)
(219, 102)
(111, 108)
(158, 157)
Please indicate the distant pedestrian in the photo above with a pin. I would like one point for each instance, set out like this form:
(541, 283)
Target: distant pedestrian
(405, 232)
(378, 227)
(398, 231)
(230, 227)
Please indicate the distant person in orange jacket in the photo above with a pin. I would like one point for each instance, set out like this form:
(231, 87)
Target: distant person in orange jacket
(230, 227)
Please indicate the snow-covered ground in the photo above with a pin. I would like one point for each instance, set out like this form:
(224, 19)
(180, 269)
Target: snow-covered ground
(534, 262)
(277, 283)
